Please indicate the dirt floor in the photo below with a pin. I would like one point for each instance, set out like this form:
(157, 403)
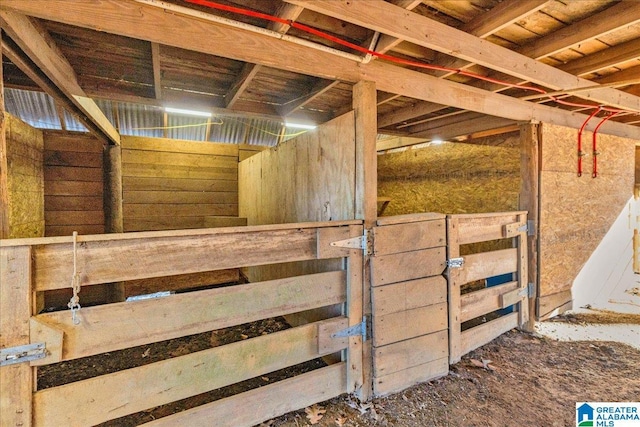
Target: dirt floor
(516, 380)
(530, 381)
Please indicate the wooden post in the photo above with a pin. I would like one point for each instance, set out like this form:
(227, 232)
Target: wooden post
(453, 292)
(530, 134)
(4, 190)
(16, 381)
(114, 221)
(366, 204)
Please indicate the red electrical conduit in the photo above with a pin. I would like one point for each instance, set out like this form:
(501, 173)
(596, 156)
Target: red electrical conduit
(580, 152)
(326, 36)
(595, 144)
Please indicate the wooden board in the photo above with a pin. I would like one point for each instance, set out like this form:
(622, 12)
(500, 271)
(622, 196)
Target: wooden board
(484, 228)
(413, 236)
(486, 264)
(180, 282)
(224, 221)
(402, 325)
(485, 301)
(408, 266)
(407, 218)
(398, 381)
(487, 332)
(406, 354)
(143, 256)
(116, 326)
(178, 146)
(172, 379)
(264, 403)
(134, 183)
(409, 295)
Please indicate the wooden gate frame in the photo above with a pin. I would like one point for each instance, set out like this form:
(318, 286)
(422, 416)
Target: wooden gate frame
(476, 228)
(31, 266)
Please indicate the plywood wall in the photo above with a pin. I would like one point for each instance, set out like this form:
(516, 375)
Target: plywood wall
(22, 155)
(173, 184)
(73, 174)
(308, 178)
(452, 178)
(577, 212)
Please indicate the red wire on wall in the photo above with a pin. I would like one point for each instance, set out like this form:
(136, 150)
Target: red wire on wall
(390, 58)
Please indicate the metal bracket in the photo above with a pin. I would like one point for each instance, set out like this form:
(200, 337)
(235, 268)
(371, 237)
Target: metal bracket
(352, 331)
(527, 292)
(455, 262)
(531, 227)
(359, 242)
(22, 353)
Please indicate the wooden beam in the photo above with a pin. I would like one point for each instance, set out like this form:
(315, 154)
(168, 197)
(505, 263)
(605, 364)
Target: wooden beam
(488, 23)
(529, 200)
(249, 71)
(407, 113)
(468, 124)
(152, 23)
(320, 88)
(604, 59)
(386, 42)
(628, 74)
(4, 163)
(381, 16)
(34, 40)
(364, 101)
(617, 17)
(240, 84)
(157, 72)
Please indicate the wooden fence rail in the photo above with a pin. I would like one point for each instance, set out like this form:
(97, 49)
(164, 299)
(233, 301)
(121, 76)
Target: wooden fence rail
(31, 266)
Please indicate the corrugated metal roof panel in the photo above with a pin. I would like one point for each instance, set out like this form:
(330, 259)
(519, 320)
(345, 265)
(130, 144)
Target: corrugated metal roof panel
(35, 108)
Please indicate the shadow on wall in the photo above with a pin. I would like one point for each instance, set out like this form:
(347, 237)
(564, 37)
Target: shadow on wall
(607, 280)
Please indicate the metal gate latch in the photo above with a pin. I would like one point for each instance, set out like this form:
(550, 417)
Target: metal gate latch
(22, 353)
(455, 262)
(352, 331)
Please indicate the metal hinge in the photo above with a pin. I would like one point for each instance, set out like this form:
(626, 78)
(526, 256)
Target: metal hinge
(528, 292)
(352, 331)
(531, 227)
(455, 262)
(22, 353)
(360, 242)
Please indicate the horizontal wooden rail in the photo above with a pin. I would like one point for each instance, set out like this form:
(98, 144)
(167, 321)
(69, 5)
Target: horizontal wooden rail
(255, 406)
(487, 264)
(475, 228)
(122, 325)
(111, 396)
(408, 266)
(116, 260)
(480, 335)
(485, 301)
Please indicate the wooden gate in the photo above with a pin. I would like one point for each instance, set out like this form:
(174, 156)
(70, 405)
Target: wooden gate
(469, 262)
(409, 301)
(32, 266)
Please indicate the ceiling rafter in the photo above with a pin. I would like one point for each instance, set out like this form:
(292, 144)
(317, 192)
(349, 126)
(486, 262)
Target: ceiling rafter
(41, 50)
(628, 74)
(604, 59)
(152, 23)
(249, 71)
(482, 26)
(316, 91)
(382, 16)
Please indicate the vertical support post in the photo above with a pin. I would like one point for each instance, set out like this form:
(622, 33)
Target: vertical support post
(355, 291)
(16, 381)
(4, 190)
(366, 196)
(523, 277)
(453, 291)
(530, 134)
(113, 212)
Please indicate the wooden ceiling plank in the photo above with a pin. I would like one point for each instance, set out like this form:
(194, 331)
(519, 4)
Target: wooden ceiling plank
(469, 126)
(628, 74)
(157, 72)
(407, 113)
(249, 71)
(381, 16)
(152, 23)
(38, 45)
(614, 18)
(320, 88)
(385, 42)
(604, 59)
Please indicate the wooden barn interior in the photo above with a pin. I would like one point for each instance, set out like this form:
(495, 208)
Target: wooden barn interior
(401, 180)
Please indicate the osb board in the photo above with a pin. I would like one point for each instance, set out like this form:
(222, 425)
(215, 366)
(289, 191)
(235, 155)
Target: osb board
(576, 212)
(452, 177)
(308, 178)
(174, 184)
(73, 183)
(25, 179)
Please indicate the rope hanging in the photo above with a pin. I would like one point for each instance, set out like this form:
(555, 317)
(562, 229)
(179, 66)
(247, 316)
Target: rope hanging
(74, 302)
